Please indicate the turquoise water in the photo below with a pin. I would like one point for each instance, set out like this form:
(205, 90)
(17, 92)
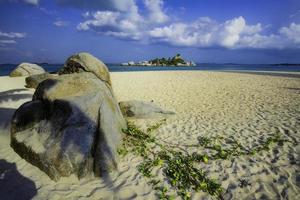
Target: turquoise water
(5, 69)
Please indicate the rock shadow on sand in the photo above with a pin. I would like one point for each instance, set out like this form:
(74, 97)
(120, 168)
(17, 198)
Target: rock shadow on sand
(14, 185)
(14, 95)
(7, 113)
(5, 119)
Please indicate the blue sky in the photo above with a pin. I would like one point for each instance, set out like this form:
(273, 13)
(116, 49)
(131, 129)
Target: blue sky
(239, 31)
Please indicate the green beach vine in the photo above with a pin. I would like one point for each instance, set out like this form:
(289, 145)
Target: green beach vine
(180, 168)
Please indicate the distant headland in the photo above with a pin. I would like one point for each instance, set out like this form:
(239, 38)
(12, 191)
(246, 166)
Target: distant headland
(286, 64)
(174, 61)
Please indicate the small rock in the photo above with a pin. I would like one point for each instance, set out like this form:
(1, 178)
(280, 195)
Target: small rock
(34, 80)
(26, 69)
(140, 109)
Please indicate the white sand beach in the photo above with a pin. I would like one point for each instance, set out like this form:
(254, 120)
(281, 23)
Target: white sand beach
(246, 107)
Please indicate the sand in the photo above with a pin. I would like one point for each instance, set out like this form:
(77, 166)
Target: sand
(246, 107)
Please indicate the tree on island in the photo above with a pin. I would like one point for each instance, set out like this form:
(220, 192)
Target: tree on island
(170, 61)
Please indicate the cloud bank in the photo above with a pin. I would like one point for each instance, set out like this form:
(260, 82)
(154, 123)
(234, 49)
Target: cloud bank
(8, 38)
(155, 26)
(149, 22)
(8, 42)
(30, 2)
(115, 5)
(12, 34)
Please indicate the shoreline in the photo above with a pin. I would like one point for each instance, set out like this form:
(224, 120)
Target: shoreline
(206, 67)
(287, 74)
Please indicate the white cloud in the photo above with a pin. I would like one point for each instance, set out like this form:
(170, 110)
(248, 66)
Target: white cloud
(205, 32)
(156, 13)
(231, 30)
(60, 23)
(112, 23)
(86, 14)
(12, 34)
(292, 32)
(47, 11)
(32, 2)
(126, 25)
(112, 5)
(8, 41)
(252, 29)
(9, 38)
(295, 14)
(177, 34)
(100, 19)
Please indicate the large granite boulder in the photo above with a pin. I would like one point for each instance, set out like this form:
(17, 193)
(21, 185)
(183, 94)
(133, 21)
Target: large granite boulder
(141, 109)
(26, 69)
(34, 80)
(73, 125)
(85, 62)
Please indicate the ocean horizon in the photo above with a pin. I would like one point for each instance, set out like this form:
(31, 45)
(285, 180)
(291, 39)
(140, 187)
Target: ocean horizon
(5, 69)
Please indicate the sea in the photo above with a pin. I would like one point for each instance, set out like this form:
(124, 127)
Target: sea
(5, 69)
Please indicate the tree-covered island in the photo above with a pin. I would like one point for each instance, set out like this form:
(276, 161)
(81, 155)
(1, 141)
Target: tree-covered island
(174, 61)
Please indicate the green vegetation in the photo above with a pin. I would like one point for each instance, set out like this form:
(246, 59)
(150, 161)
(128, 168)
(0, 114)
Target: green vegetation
(176, 60)
(236, 149)
(180, 168)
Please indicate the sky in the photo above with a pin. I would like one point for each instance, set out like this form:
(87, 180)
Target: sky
(205, 31)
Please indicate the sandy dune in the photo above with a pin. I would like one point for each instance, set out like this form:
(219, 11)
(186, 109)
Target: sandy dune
(246, 107)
